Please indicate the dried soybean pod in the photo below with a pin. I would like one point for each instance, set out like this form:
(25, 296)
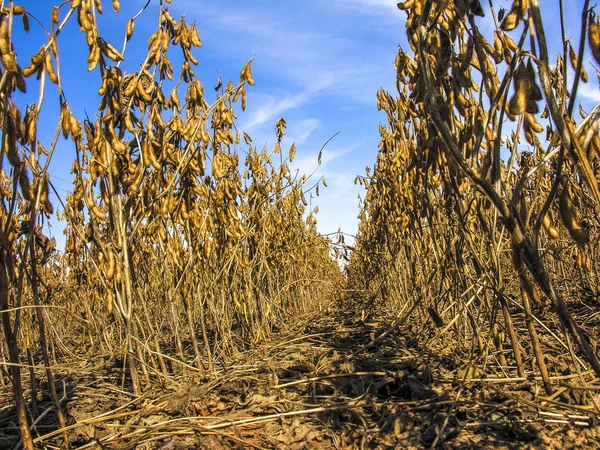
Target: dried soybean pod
(594, 36)
(26, 23)
(10, 63)
(550, 229)
(574, 61)
(109, 302)
(4, 38)
(94, 57)
(195, 36)
(498, 44)
(246, 74)
(10, 144)
(406, 5)
(25, 185)
(511, 21)
(110, 269)
(594, 148)
(55, 16)
(569, 217)
(129, 29)
(96, 211)
(110, 51)
(536, 92)
(17, 10)
(50, 68)
(522, 85)
(48, 207)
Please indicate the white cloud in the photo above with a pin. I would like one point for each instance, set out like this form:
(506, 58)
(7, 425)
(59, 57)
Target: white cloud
(301, 131)
(588, 92)
(386, 9)
(314, 47)
(271, 108)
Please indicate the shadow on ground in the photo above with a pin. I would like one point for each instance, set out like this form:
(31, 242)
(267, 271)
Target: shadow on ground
(344, 378)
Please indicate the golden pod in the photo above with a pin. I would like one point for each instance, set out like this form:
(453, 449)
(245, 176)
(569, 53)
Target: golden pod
(522, 85)
(536, 92)
(497, 55)
(569, 217)
(85, 22)
(31, 128)
(45, 187)
(550, 229)
(154, 43)
(594, 148)
(25, 185)
(30, 70)
(184, 212)
(110, 269)
(118, 273)
(511, 45)
(96, 211)
(4, 38)
(109, 302)
(17, 10)
(195, 37)
(510, 21)
(129, 29)
(583, 261)
(75, 127)
(244, 100)
(574, 61)
(246, 74)
(65, 122)
(94, 57)
(55, 16)
(406, 5)
(498, 44)
(48, 207)
(593, 36)
(532, 124)
(98, 4)
(11, 148)
(10, 63)
(109, 51)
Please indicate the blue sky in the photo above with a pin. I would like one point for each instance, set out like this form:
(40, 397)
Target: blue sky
(318, 64)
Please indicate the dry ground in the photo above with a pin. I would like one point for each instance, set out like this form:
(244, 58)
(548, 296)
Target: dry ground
(345, 379)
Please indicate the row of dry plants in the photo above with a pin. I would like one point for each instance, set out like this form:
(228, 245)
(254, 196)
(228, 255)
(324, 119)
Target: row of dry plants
(178, 254)
(480, 222)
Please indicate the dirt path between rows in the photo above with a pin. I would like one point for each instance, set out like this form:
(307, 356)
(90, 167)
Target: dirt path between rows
(344, 379)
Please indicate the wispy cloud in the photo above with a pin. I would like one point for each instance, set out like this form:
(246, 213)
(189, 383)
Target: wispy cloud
(271, 108)
(300, 132)
(307, 164)
(315, 44)
(385, 9)
(589, 93)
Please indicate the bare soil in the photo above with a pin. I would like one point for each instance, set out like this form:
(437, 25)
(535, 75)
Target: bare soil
(343, 379)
